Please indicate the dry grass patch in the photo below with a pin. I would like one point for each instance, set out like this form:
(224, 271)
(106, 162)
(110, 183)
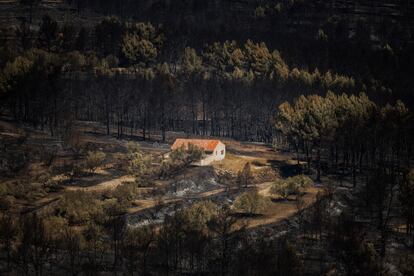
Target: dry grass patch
(235, 163)
(279, 210)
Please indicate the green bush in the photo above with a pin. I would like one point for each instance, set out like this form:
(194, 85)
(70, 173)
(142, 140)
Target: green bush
(180, 158)
(133, 147)
(94, 159)
(284, 188)
(165, 169)
(48, 183)
(137, 162)
(113, 208)
(178, 155)
(94, 238)
(186, 156)
(22, 189)
(194, 153)
(72, 171)
(125, 193)
(291, 186)
(78, 207)
(137, 165)
(56, 227)
(200, 213)
(302, 181)
(251, 202)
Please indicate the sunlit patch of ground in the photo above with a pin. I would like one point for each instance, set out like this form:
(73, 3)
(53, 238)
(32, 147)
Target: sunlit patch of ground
(235, 163)
(280, 209)
(105, 185)
(108, 176)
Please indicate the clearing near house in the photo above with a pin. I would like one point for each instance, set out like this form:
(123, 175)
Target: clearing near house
(65, 167)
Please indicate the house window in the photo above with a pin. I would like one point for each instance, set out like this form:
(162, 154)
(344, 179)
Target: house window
(222, 152)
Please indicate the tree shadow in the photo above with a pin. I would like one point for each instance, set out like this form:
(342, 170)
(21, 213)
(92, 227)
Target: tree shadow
(88, 180)
(282, 200)
(247, 215)
(285, 169)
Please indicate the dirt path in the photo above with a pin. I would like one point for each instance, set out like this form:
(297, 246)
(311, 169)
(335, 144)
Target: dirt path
(105, 185)
(282, 209)
(279, 210)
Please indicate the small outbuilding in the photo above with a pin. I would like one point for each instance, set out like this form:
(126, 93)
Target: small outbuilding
(214, 150)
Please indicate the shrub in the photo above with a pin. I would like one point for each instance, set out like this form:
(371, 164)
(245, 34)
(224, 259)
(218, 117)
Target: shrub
(260, 12)
(94, 238)
(302, 181)
(180, 158)
(165, 169)
(284, 188)
(186, 156)
(78, 207)
(113, 208)
(52, 186)
(178, 155)
(194, 154)
(200, 213)
(94, 159)
(4, 190)
(291, 186)
(138, 237)
(48, 183)
(72, 171)
(226, 178)
(266, 175)
(137, 163)
(137, 166)
(56, 227)
(22, 189)
(125, 193)
(133, 147)
(251, 202)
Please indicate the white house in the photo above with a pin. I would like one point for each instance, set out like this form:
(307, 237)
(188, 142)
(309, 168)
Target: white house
(214, 150)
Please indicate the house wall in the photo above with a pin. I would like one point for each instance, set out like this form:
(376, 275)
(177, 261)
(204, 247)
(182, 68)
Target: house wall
(218, 154)
(206, 161)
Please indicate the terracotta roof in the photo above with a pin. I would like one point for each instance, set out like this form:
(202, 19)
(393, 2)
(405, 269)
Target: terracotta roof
(207, 145)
